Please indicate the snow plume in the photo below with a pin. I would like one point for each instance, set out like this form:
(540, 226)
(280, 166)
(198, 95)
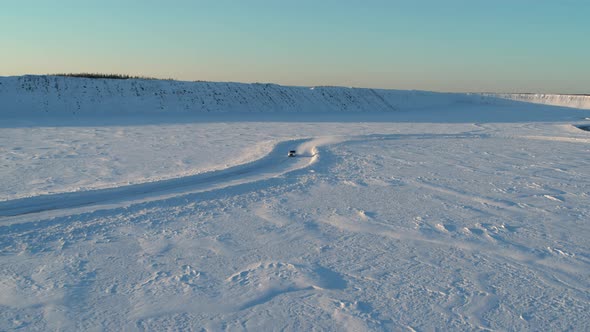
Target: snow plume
(309, 148)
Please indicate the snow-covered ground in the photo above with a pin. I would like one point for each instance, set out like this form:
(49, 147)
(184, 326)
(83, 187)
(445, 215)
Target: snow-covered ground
(460, 217)
(41, 96)
(575, 101)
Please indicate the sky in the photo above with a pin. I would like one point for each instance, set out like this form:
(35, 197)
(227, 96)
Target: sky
(454, 45)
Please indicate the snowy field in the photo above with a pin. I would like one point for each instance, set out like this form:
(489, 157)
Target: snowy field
(472, 217)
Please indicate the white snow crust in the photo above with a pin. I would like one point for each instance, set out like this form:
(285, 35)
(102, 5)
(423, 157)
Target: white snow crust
(436, 213)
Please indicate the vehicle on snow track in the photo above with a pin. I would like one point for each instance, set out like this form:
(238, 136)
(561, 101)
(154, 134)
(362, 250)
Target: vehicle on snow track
(292, 153)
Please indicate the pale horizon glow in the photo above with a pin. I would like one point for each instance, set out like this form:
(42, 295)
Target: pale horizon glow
(466, 46)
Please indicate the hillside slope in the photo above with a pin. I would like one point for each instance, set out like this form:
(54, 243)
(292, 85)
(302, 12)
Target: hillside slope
(30, 95)
(573, 101)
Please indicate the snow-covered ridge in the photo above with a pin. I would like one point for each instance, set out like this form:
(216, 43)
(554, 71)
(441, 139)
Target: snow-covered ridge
(573, 101)
(30, 95)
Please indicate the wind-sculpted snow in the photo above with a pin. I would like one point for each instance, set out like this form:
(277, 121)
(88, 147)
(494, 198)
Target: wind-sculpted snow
(53, 95)
(392, 227)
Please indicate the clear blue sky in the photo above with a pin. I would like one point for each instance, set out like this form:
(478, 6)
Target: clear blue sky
(455, 45)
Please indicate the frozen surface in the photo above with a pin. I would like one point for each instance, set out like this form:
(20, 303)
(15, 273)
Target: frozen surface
(42, 160)
(414, 221)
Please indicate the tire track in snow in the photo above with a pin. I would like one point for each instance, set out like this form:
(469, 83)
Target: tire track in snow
(274, 164)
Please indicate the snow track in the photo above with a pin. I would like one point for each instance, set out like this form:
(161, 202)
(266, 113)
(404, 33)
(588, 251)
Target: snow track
(274, 164)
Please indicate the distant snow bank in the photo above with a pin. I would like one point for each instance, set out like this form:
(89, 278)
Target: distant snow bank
(573, 101)
(25, 96)
(31, 95)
